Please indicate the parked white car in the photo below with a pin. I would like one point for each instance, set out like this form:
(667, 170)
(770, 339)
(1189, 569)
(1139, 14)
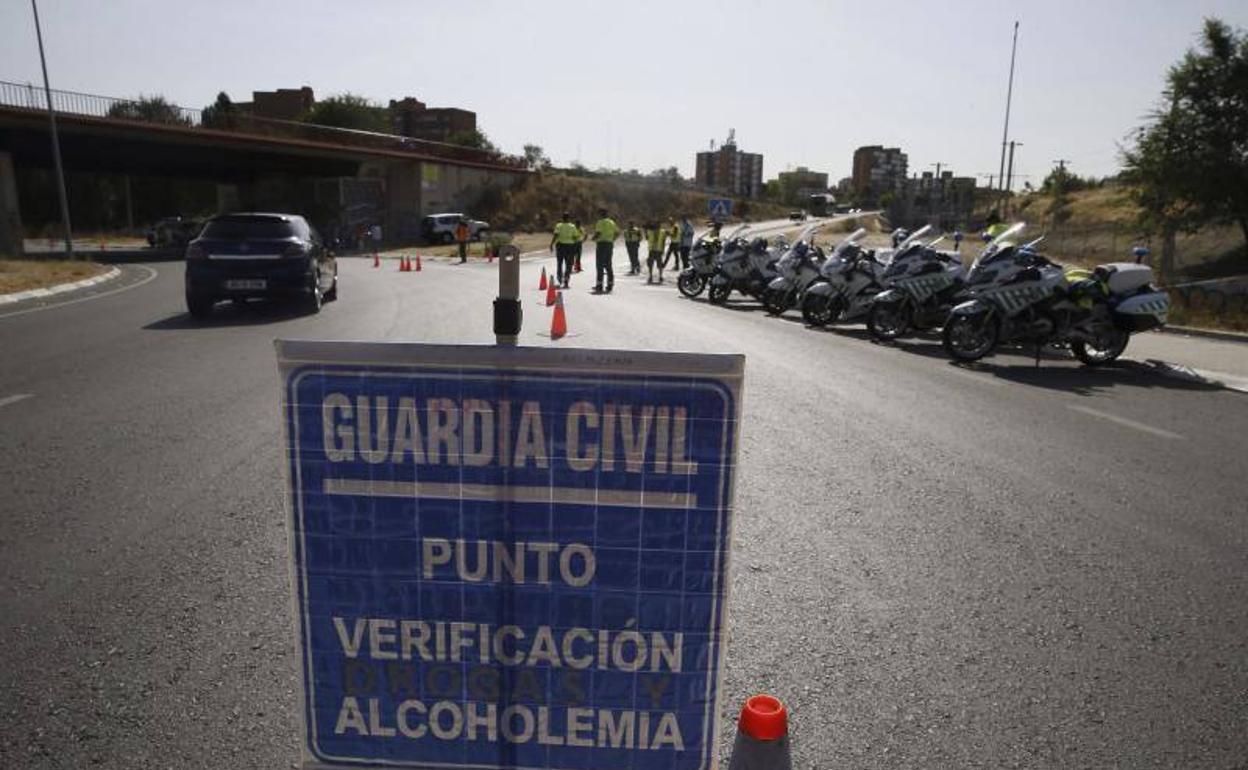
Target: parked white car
(440, 228)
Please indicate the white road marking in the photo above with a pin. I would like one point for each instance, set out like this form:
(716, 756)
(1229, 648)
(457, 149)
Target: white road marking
(15, 398)
(151, 275)
(1124, 421)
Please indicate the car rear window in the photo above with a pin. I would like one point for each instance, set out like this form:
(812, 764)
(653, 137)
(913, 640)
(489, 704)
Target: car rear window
(251, 227)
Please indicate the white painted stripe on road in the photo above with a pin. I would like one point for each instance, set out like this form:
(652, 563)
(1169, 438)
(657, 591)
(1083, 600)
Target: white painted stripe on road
(1123, 421)
(151, 276)
(15, 398)
(517, 494)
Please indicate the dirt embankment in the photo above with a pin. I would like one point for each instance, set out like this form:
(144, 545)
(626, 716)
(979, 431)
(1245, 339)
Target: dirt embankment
(536, 203)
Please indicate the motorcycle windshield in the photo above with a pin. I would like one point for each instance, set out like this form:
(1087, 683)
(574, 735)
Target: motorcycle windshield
(997, 245)
(924, 230)
(850, 241)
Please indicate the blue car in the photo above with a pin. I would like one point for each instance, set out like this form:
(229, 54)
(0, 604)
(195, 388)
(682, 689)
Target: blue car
(246, 255)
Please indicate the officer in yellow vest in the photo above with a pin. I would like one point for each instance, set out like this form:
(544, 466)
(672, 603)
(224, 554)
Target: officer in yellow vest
(563, 243)
(673, 245)
(632, 242)
(605, 233)
(655, 236)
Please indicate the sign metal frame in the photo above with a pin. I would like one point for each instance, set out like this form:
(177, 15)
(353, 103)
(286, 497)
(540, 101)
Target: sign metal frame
(721, 374)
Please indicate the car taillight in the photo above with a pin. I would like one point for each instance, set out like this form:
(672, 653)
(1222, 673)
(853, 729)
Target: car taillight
(195, 251)
(293, 250)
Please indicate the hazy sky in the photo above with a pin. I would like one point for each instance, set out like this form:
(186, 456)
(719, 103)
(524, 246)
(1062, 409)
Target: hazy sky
(647, 84)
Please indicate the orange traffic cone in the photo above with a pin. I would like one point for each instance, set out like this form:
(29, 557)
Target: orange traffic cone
(418, 262)
(541, 285)
(376, 259)
(577, 267)
(550, 294)
(402, 264)
(559, 321)
(762, 736)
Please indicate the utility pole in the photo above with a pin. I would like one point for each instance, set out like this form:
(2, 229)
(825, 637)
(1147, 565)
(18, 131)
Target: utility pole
(1009, 96)
(1061, 164)
(938, 164)
(1009, 178)
(56, 142)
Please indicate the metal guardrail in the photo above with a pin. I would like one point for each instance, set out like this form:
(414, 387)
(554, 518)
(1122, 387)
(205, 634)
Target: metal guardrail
(30, 96)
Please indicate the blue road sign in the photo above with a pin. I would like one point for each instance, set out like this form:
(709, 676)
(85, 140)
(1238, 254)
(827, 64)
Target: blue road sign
(720, 208)
(509, 557)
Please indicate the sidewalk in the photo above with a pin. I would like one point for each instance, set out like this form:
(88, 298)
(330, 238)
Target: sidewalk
(1185, 355)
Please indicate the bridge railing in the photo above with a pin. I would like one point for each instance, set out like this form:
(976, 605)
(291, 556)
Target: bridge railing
(30, 96)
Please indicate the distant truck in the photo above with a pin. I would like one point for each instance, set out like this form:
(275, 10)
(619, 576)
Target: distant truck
(440, 228)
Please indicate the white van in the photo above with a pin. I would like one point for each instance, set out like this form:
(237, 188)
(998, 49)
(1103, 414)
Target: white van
(440, 228)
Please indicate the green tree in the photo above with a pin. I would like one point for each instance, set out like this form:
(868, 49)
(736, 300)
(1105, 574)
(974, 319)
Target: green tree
(536, 157)
(475, 139)
(150, 109)
(348, 111)
(1189, 164)
(220, 114)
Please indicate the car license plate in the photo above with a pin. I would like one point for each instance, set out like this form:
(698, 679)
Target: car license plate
(248, 283)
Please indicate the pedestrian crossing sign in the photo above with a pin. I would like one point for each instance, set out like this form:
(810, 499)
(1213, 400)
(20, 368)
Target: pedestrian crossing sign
(720, 208)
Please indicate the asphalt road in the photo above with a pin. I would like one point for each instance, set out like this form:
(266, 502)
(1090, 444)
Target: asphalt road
(934, 566)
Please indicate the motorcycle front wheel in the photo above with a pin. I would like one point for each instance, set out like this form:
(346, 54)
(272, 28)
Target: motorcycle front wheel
(1103, 350)
(718, 295)
(776, 302)
(889, 320)
(817, 309)
(690, 283)
(966, 339)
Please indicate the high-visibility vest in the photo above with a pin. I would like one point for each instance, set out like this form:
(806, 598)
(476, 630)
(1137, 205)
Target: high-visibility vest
(461, 232)
(606, 230)
(655, 238)
(632, 235)
(566, 232)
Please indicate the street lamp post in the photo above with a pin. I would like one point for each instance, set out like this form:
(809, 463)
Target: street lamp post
(56, 142)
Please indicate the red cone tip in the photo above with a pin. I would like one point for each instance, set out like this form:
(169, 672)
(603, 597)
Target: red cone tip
(764, 718)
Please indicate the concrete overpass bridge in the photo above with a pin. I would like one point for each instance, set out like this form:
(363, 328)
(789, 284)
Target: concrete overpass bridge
(254, 163)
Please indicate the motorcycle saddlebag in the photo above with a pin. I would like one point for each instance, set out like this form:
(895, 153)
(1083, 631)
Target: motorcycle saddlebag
(1141, 312)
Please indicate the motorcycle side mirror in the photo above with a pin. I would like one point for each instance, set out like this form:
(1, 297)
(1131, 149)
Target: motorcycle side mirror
(1140, 253)
(985, 237)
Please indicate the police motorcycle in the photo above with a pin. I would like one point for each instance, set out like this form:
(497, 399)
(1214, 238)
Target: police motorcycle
(923, 286)
(1019, 295)
(798, 269)
(849, 279)
(702, 259)
(745, 266)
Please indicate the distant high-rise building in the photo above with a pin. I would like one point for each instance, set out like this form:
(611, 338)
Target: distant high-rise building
(730, 170)
(878, 170)
(946, 201)
(802, 183)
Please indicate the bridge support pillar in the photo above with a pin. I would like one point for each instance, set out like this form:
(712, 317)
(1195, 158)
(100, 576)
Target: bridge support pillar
(10, 213)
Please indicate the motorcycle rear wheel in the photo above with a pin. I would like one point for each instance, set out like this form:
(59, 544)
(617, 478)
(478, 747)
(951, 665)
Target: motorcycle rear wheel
(718, 295)
(965, 340)
(889, 320)
(776, 302)
(1093, 354)
(690, 284)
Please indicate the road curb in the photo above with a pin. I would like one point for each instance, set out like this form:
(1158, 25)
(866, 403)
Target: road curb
(60, 288)
(1195, 331)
